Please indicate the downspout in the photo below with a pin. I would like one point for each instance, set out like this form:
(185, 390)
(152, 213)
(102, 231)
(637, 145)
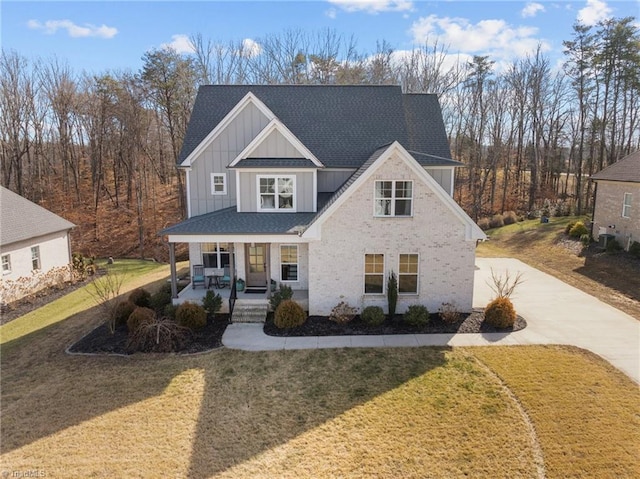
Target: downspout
(593, 213)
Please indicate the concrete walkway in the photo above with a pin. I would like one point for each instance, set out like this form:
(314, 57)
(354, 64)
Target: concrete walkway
(556, 313)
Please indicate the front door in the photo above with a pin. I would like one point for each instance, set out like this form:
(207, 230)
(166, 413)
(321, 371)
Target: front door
(256, 259)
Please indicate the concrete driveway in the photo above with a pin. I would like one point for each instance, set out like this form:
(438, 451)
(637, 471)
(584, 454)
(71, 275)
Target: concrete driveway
(558, 313)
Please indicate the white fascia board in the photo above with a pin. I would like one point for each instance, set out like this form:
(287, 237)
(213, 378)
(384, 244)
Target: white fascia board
(280, 170)
(238, 238)
(472, 230)
(273, 125)
(235, 111)
(187, 172)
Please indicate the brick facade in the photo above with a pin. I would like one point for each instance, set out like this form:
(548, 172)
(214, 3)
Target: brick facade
(446, 259)
(608, 211)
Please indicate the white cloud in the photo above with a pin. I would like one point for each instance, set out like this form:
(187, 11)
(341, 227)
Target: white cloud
(76, 31)
(496, 38)
(180, 43)
(331, 13)
(595, 11)
(250, 48)
(373, 6)
(532, 9)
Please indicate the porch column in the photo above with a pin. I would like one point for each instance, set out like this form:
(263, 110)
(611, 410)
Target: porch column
(232, 263)
(172, 265)
(267, 258)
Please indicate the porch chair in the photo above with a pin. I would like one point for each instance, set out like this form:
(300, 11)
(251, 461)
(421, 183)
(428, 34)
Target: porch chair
(198, 276)
(226, 278)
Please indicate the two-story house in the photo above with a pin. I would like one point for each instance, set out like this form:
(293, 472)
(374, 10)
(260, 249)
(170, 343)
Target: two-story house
(327, 189)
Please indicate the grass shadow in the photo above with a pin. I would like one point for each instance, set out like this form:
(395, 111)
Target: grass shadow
(263, 400)
(620, 272)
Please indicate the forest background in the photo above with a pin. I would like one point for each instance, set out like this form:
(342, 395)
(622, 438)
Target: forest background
(100, 149)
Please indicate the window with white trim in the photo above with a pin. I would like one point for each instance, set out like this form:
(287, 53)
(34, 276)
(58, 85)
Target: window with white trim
(626, 205)
(6, 263)
(276, 193)
(393, 198)
(408, 274)
(289, 262)
(215, 255)
(373, 273)
(35, 257)
(218, 183)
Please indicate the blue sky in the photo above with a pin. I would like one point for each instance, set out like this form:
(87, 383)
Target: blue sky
(96, 36)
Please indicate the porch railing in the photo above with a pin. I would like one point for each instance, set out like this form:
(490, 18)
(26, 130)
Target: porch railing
(232, 297)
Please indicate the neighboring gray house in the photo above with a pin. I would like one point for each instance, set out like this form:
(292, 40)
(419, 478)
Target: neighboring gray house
(327, 189)
(33, 241)
(617, 203)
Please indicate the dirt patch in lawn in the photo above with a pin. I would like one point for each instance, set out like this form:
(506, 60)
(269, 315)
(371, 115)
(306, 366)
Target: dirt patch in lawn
(321, 326)
(101, 341)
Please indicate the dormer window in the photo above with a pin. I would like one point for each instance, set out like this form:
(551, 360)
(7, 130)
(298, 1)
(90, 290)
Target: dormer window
(393, 198)
(276, 193)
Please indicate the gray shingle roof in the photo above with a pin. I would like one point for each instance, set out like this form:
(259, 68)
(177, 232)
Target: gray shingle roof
(625, 169)
(275, 163)
(340, 124)
(21, 219)
(229, 221)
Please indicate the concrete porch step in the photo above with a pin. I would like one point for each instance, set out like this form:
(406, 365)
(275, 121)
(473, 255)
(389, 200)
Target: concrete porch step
(250, 312)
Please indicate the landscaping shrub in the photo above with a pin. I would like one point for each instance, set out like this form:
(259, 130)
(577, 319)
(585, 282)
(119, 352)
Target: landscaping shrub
(416, 315)
(343, 313)
(483, 223)
(289, 314)
(212, 302)
(509, 217)
(578, 230)
(191, 315)
(160, 299)
(169, 311)
(372, 315)
(161, 335)
(392, 294)
(634, 249)
(585, 239)
(496, 221)
(567, 229)
(138, 317)
(122, 312)
(285, 292)
(500, 313)
(613, 246)
(449, 313)
(140, 297)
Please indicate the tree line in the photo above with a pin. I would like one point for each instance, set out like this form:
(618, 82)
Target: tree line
(527, 132)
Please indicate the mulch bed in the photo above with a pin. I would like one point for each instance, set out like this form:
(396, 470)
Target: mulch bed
(321, 326)
(101, 341)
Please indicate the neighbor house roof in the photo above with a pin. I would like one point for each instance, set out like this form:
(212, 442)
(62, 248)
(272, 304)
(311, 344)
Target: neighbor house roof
(625, 169)
(340, 124)
(21, 219)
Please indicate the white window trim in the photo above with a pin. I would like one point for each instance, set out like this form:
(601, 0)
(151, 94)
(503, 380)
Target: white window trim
(297, 263)
(39, 258)
(393, 199)
(626, 207)
(8, 257)
(409, 274)
(224, 184)
(364, 276)
(276, 209)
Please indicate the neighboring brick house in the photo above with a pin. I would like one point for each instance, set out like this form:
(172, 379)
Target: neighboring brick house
(617, 201)
(327, 189)
(33, 241)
